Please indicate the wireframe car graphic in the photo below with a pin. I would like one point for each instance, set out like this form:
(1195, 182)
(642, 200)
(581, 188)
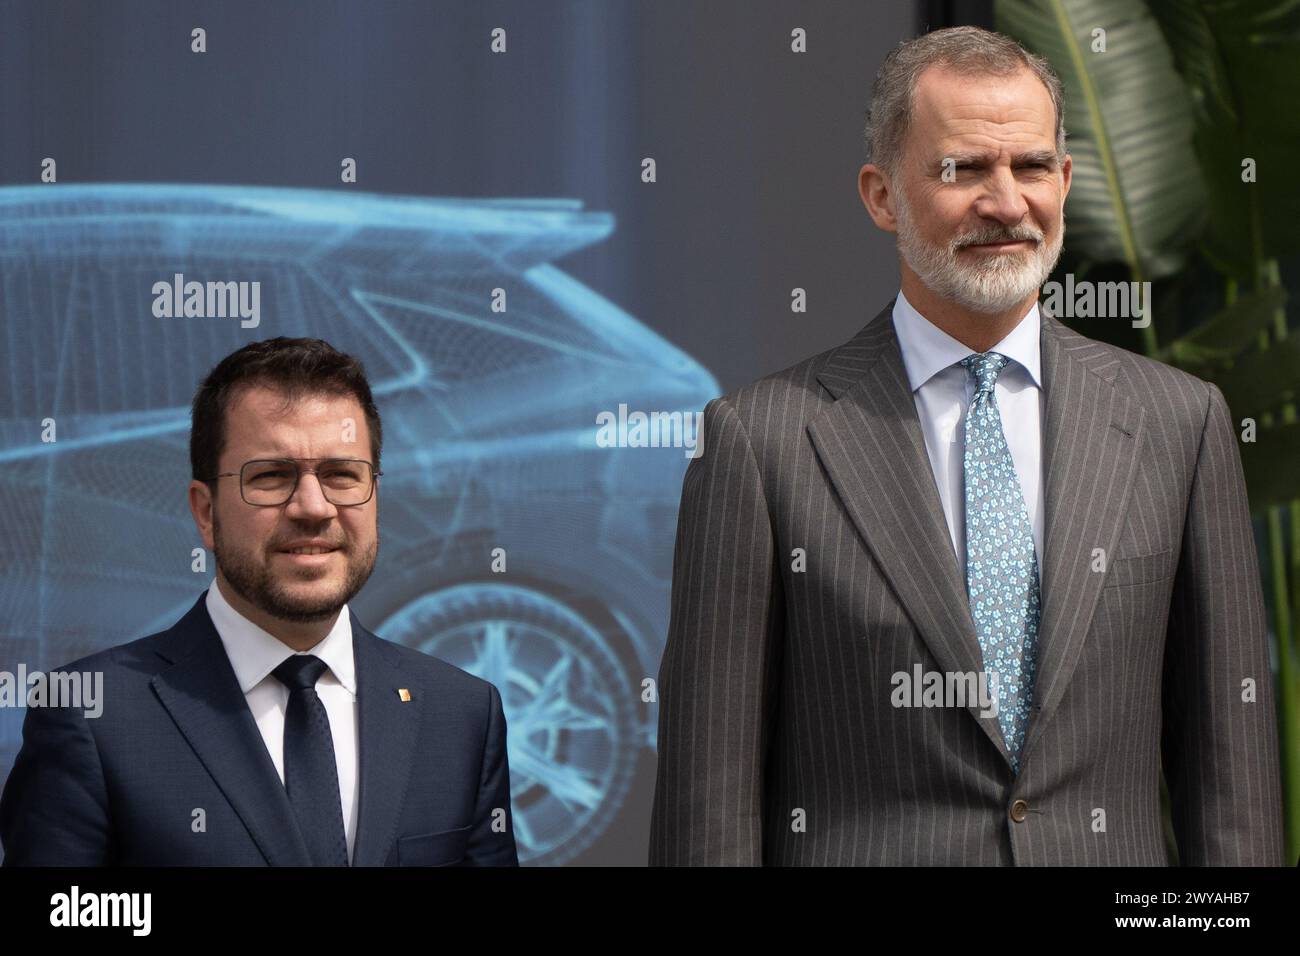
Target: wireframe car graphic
(490, 452)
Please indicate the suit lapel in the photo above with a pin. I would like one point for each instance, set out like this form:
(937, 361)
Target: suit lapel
(387, 727)
(871, 444)
(872, 447)
(202, 694)
(1093, 434)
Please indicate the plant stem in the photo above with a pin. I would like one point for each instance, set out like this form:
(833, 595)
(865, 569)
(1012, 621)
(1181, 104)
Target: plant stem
(1284, 598)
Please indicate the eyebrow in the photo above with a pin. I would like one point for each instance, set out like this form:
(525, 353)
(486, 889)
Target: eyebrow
(1046, 156)
(278, 456)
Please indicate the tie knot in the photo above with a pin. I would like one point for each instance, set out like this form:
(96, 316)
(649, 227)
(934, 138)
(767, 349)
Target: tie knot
(985, 366)
(300, 672)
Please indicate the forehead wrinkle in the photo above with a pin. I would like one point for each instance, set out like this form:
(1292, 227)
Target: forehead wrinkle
(995, 131)
(982, 142)
(980, 107)
(1030, 121)
(275, 436)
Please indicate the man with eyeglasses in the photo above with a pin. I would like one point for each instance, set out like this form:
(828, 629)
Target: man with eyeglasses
(268, 726)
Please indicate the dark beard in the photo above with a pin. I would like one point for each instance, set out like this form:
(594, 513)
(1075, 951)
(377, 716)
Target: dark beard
(255, 584)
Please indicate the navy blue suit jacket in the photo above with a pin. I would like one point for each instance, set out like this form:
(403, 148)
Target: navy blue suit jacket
(176, 736)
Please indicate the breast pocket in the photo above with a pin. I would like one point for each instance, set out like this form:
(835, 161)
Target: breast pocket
(1140, 569)
(433, 849)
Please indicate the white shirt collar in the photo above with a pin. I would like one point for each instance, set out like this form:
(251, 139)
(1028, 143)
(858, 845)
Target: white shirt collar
(928, 350)
(254, 653)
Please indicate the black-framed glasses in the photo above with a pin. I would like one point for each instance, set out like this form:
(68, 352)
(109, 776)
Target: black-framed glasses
(268, 482)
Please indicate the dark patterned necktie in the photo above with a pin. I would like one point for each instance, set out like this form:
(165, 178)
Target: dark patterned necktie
(310, 773)
(1001, 566)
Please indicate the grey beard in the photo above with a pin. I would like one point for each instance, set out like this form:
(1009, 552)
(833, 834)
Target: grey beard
(992, 286)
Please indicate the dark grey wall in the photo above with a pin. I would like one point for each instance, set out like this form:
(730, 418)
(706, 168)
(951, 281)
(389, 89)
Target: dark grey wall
(757, 148)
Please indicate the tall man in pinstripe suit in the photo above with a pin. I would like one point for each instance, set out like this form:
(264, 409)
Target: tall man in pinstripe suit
(967, 489)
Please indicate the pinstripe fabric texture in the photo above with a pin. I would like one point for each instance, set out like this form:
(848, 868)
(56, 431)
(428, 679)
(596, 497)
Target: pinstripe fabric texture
(778, 741)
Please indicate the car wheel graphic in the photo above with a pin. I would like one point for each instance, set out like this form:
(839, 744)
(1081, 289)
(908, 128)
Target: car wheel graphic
(570, 712)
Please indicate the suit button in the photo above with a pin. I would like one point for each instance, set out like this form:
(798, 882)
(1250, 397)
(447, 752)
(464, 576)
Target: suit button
(1019, 810)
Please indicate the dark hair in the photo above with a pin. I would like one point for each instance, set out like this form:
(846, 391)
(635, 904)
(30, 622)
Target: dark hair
(295, 367)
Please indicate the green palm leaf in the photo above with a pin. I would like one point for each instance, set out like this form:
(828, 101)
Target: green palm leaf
(1241, 61)
(1136, 195)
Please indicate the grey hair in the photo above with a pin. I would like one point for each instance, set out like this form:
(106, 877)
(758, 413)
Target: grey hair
(976, 51)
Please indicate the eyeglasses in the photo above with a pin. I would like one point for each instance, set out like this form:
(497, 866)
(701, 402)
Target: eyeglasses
(268, 482)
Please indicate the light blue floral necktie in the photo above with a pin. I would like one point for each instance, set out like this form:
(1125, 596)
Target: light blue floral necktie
(1001, 566)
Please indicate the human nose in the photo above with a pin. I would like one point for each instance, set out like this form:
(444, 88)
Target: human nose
(1002, 199)
(308, 499)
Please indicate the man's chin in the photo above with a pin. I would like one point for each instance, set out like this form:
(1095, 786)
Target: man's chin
(303, 612)
(296, 591)
(306, 601)
(1010, 290)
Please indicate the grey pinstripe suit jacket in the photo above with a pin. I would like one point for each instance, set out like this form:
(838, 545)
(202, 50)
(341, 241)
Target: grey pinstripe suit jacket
(778, 743)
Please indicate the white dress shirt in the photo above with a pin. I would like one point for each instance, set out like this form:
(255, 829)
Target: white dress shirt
(942, 391)
(254, 654)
